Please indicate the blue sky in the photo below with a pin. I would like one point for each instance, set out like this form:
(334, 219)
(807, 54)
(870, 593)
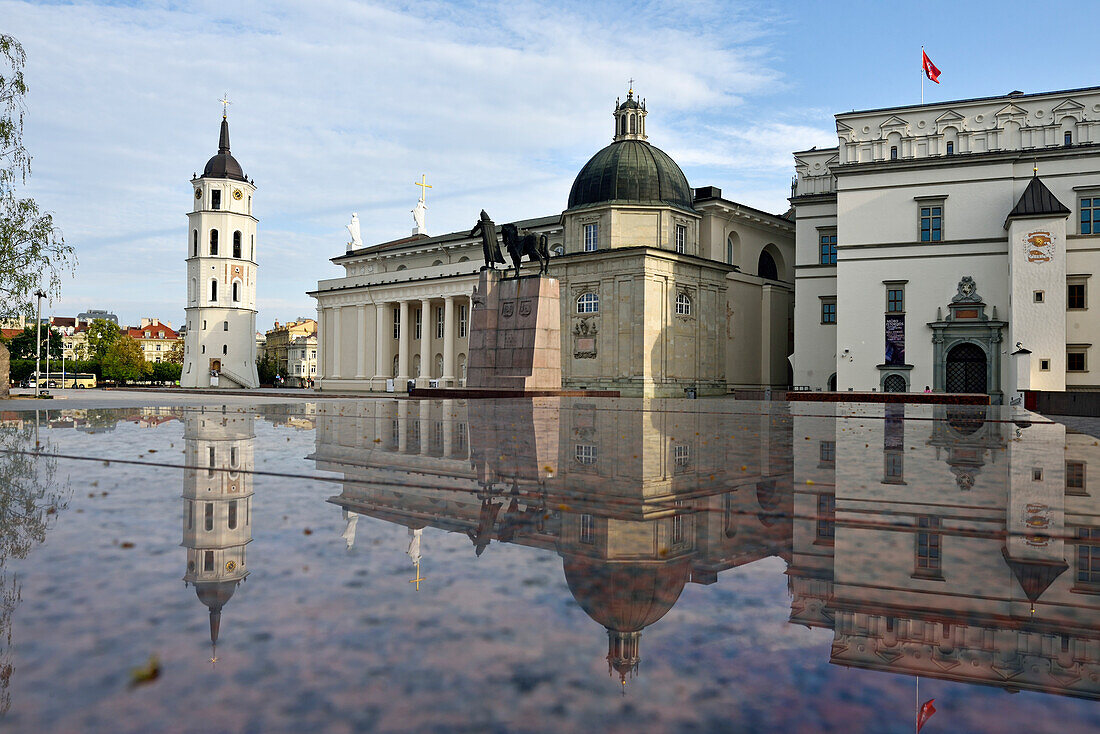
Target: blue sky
(339, 106)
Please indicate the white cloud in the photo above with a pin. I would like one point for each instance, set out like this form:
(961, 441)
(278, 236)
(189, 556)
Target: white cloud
(339, 106)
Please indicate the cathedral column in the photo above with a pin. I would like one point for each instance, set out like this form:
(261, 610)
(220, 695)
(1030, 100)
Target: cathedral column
(447, 379)
(403, 347)
(321, 361)
(335, 342)
(361, 342)
(425, 342)
(381, 369)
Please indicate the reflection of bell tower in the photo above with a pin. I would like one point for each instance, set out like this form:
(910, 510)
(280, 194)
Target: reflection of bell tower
(217, 506)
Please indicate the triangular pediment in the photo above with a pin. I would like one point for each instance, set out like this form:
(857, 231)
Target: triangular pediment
(843, 128)
(1069, 105)
(893, 121)
(1012, 110)
(949, 116)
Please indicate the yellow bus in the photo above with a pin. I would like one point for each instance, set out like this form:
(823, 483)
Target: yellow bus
(72, 379)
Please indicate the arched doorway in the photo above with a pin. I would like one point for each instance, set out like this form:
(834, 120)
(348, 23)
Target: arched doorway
(894, 383)
(766, 267)
(966, 369)
(831, 385)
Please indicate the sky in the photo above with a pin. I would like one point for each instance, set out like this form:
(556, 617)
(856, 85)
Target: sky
(339, 106)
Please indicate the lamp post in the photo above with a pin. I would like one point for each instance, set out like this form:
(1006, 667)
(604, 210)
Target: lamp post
(38, 343)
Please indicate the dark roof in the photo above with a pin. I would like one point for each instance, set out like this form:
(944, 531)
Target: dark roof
(625, 596)
(223, 165)
(421, 240)
(1035, 576)
(1012, 95)
(1038, 201)
(631, 172)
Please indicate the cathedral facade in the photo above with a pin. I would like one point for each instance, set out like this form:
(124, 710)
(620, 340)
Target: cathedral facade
(664, 288)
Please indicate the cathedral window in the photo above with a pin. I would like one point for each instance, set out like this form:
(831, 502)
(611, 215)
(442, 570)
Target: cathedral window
(232, 515)
(237, 244)
(396, 323)
(588, 303)
(633, 123)
(208, 519)
(208, 560)
(215, 199)
(213, 242)
(190, 515)
(588, 535)
(928, 546)
(586, 453)
(195, 243)
(683, 304)
(681, 238)
(418, 321)
(439, 325)
(591, 237)
(462, 321)
(213, 290)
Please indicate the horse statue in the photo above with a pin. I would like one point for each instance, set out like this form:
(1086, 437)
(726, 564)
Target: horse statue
(526, 244)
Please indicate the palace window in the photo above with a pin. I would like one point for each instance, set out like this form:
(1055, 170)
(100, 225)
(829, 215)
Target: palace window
(213, 242)
(826, 518)
(1075, 478)
(827, 248)
(826, 452)
(1090, 215)
(950, 147)
(396, 322)
(1087, 571)
(418, 320)
(1039, 296)
(1075, 295)
(893, 152)
(683, 304)
(895, 299)
(586, 453)
(588, 303)
(462, 321)
(1044, 364)
(1067, 139)
(1075, 359)
(439, 325)
(591, 237)
(931, 223)
(928, 546)
(215, 199)
(681, 237)
(588, 535)
(237, 244)
(828, 309)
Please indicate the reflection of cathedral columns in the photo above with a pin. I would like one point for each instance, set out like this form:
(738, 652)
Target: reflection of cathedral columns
(425, 405)
(381, 368)
(402, 425)
(217, 512)
(447, 379)
(403, 346)
(361, 342)
(448, 425)
(336, 342)
(426, 332)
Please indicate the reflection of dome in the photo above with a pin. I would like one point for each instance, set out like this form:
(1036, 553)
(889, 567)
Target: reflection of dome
(223, 165)
(631, 172)
(625, 598)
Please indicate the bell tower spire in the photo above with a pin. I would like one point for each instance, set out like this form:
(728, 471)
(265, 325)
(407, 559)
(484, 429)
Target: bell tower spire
(630, 117)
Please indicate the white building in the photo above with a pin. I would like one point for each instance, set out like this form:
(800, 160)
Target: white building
(664, 288)
(935, 238)
(221, 276)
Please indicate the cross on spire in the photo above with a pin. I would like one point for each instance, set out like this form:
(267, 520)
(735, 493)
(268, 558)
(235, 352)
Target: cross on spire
(423, 184)
(418, 578)
(631, 89)
(225, 104)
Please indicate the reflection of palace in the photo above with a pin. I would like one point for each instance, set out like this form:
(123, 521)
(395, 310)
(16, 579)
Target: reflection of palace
(959, 548)
(966, 549)
(217, 506)
(636, 503)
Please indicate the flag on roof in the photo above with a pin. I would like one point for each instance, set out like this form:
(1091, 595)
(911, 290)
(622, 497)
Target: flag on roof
(930, 69)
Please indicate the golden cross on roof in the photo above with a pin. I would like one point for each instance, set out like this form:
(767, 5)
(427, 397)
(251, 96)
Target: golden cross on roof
(423, 184)
(631, 90)
(418, 578)
(225, 103)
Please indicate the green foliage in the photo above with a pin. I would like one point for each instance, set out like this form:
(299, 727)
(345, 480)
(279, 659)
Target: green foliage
(175, 354)
(20, 370)
(23, 369)
(101, 335)
(21, 346)
(124, 361)
(166, 372)
(33, 253)
(266, 368)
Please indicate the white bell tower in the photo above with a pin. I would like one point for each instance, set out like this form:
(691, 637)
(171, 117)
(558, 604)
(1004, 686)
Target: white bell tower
(220, 345)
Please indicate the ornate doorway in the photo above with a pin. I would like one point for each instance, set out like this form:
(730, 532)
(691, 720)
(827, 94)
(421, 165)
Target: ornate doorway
(966, 369)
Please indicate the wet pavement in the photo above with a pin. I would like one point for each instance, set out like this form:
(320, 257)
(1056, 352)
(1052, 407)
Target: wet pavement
(556, 564)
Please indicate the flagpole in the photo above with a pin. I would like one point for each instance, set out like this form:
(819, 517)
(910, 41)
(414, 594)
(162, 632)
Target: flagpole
(922, 74)
(916, 716)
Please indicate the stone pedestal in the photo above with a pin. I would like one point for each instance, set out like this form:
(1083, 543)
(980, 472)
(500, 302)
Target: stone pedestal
(5, 366)
(515, 333)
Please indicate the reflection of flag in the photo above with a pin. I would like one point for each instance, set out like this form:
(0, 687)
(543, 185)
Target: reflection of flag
(930, 69)
(927, 709)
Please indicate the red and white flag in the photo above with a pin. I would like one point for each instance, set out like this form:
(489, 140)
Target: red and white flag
(927, 709)
(930, 69)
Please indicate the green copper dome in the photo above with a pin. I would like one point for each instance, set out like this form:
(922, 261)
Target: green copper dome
(631, 172)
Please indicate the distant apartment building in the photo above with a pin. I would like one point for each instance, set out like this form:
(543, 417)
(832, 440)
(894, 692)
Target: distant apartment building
(156, 338)
(301, 360)
(88, 317)
(279, 339)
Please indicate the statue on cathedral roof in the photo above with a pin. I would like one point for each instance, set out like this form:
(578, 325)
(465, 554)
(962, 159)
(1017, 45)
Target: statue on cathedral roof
(353, 229)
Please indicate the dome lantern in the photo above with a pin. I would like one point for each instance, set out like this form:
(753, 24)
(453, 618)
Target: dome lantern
(629, 118)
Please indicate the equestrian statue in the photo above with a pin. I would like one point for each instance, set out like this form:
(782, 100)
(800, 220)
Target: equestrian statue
(527, 243)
